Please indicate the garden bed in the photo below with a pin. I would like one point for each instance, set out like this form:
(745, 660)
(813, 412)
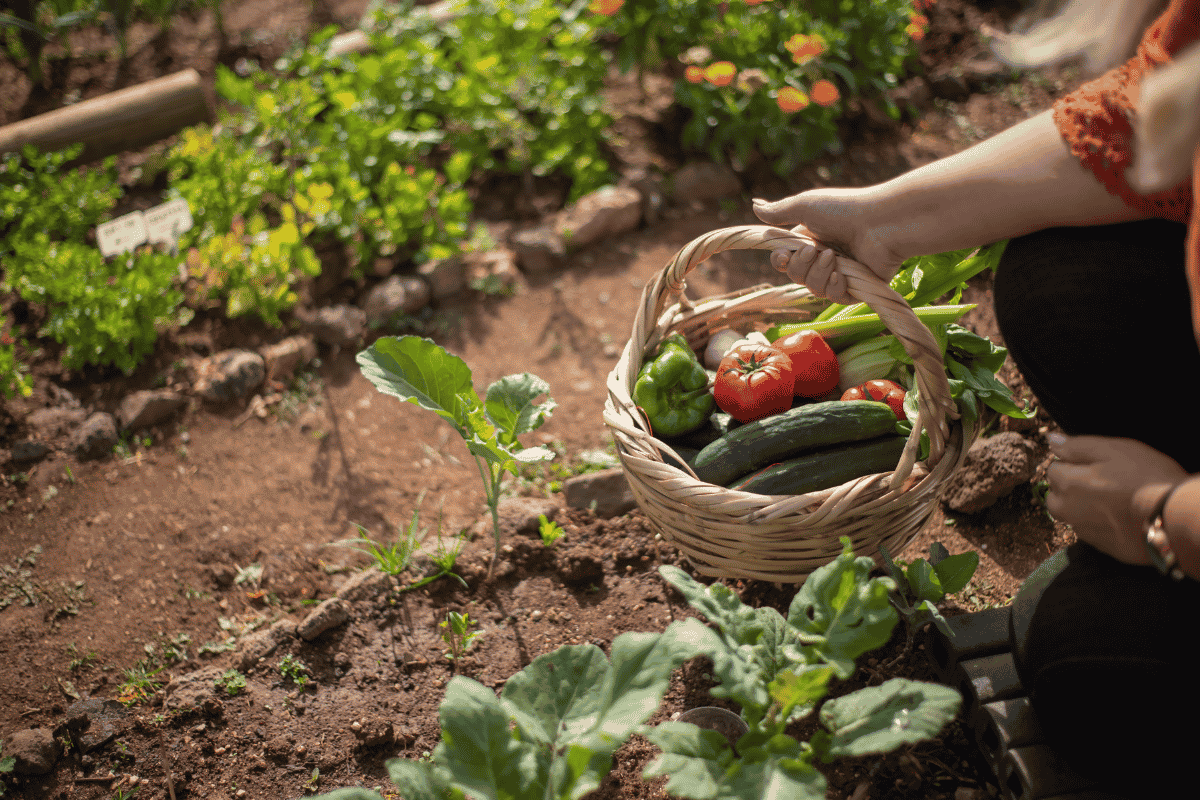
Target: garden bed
(217, 529)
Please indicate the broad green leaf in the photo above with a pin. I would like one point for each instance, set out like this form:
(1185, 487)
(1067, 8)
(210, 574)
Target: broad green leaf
(800, 690)
(359, 793)
(419, 371)
(513, 408)
(780, 772)
(552, 690)
(923, 581)
(937, 553)
(843, 612)
(955, 571)
(696, 759)
(421, 780)
(477, 749)
(879, 719)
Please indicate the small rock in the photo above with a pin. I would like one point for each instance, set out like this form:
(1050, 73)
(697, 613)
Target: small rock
(608, 211)
(445, 276)
(260, 644)
(27, 451)
(327, 616)
(229, 375)
(96, 437)
(50, 423)
(34, 751)
(701, 181)
(193, 690)
(608, 488)
(399, 294)
(539, 250)
(282, 359)
(93, 722)
(146, 408)
(336, 326)
(223, 574)
(994, 467)
(365, 585)
(496, 267)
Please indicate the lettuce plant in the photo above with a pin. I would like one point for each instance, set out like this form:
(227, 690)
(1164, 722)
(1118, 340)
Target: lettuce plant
(554, 728)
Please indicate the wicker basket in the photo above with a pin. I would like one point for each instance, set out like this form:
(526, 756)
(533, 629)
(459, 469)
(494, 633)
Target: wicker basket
(727, 533)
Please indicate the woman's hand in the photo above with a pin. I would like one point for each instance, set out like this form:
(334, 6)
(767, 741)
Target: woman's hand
(837, 219)
(1104, 488)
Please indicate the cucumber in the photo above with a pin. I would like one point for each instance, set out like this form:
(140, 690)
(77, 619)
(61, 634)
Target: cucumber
(718, 424)
(757, 444)
(822, 469)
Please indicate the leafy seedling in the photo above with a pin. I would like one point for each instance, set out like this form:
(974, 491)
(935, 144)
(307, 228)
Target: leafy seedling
(294, 670)
(457, 634)
(231, 682)
(395, 558)
(419, 371)
(550, 531)
(921, 584)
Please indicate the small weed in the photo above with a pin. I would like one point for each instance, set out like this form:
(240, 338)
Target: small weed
(232, 682)
(1040, 490)
(314, 780)
(294, 670)
(7, 764)
(251, 575)
(457, 634)
(395, 558)
(81, 660)
(549, 530)
(139, 683)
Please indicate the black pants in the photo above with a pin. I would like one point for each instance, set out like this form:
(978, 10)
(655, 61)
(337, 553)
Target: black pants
(1098, 321)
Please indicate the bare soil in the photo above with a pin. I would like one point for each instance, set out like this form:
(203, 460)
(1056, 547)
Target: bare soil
(141, 560)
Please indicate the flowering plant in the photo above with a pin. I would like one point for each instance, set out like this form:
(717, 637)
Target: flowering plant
(771, 75)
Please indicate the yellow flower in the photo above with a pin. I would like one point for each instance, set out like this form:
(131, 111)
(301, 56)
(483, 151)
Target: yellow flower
(804, 48)
(694, 74)
(791, 99)
(824, 93)
(606, 7)
(720, 73)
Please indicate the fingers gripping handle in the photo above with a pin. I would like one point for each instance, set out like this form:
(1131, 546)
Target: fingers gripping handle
(936, 404)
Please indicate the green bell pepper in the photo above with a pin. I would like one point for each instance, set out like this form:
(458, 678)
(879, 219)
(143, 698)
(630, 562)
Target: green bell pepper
(672, 388)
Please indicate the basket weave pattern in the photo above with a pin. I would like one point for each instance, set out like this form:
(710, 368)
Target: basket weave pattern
(727, 533)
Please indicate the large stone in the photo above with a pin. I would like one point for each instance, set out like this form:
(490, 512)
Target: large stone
(194, 690)
(701, 181)
(96, 437)
(28, 451)
(445, 276)
(94, 721)
(399, 294)
(607, 489)
(146, 408)
(539, 250)
(608, 211)
(282, 359)
(50, 423)
(229, 375)
(34, 751)
(336, 326)
(994, 467)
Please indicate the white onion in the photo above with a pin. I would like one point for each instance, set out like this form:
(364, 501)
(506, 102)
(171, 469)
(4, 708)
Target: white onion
(718, 345)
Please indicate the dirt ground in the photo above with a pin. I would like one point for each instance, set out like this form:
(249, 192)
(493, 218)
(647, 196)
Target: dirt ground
(119, 574)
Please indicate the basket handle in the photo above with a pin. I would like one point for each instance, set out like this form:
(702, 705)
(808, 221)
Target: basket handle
(936, 404)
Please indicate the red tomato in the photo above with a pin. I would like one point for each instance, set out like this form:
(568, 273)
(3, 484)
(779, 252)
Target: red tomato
(814, 363)
(754, 381)
(888, 392)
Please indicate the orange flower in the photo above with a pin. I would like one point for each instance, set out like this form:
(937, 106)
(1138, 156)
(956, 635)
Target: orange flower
(917, 23)
(694, 74)
(720, 73)
(804, 48)
(824, 93)
(759, 2)
(606, 7)
(791, 99)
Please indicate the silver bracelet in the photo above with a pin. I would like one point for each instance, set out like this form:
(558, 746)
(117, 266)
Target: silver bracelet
(1157, 546)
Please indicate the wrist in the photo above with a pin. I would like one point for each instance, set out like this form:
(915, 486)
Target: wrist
(1171, 535)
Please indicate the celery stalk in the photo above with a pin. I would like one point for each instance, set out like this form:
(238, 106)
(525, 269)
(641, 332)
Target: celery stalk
(866, 325)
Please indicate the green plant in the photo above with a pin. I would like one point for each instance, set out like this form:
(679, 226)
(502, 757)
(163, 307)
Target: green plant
(139, 683)
(549, 530)
(395, 558)
(294, 670)
(7, 765)
(556, 724)
(14, 376)
(419, 371)
(921, 584)
(231, 682)
(33, 24)
(457, 634)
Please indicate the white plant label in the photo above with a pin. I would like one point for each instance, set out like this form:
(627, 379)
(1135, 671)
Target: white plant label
(167, 222)
(121, 234)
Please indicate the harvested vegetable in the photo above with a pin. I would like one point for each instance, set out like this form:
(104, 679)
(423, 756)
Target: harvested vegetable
(883, 391)
(814, 364)
(754, 381)
(672, 389)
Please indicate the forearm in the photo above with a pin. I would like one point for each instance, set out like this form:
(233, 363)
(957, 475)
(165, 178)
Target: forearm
(1021, 180)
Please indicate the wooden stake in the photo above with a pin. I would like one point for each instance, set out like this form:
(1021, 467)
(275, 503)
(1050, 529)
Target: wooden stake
(127, 119)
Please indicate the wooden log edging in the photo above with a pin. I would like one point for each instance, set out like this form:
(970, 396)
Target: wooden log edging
(127, 119)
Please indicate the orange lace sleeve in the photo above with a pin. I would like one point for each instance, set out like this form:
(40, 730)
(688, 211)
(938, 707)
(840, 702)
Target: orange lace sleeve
(1095, 118)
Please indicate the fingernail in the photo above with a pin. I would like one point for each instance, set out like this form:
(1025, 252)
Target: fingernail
(758, 202)
(1056, 438)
